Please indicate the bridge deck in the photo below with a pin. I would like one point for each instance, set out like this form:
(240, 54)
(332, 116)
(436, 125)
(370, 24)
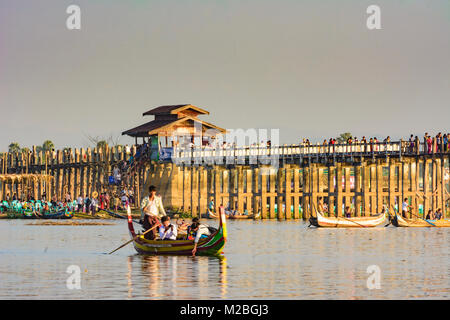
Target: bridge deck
(295, 153)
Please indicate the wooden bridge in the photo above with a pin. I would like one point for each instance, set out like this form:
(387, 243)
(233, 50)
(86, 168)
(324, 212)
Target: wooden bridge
(291, 154)
(281, 182)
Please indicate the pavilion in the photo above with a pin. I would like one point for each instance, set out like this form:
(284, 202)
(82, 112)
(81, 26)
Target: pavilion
(174, 125)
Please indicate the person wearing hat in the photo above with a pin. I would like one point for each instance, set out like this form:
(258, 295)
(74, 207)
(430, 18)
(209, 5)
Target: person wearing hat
(151, 210)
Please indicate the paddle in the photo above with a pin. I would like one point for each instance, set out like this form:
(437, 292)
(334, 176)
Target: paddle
(424, 220)
(157, 225)
(355, 222)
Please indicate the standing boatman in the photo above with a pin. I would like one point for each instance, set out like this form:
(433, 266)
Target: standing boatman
(151, 210)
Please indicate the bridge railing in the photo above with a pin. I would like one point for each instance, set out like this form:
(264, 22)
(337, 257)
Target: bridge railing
(233, 154)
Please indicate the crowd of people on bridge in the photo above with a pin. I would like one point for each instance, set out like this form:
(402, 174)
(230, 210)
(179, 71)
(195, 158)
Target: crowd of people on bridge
(437, 144)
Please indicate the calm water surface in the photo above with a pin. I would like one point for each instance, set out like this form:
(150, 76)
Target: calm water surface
(263, 260)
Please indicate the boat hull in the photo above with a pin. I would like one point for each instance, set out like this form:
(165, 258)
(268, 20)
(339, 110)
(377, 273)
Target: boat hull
(57, 215)
(356, 222)
(213, 245)
(113, 214)
(210, 215)
(399, 221)
(244, 216)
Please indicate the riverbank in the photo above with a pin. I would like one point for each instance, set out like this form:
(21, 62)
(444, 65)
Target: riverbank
(99, 215)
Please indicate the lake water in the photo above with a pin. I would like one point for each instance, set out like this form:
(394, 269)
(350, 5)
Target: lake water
(262, 260)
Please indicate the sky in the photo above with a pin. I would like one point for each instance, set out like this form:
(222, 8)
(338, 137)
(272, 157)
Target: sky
(308, 68)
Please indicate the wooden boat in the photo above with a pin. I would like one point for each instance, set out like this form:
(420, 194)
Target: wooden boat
(114, 214)
(30, 215)
(56, 215)
(82, 215)
(212, 245)
(341, 222)
(211, 215)
(399, 221)
(244, 216)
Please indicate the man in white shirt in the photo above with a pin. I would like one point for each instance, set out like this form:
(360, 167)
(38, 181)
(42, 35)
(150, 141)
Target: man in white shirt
(167, 231)
(151, 210)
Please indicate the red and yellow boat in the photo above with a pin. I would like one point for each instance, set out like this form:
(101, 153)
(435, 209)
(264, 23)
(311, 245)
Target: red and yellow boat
(213, 245)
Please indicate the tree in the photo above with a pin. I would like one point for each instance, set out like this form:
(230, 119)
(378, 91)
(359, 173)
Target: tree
(102, 144)
(14, 147)
(48, 146)
(25, 150)
(344, 137)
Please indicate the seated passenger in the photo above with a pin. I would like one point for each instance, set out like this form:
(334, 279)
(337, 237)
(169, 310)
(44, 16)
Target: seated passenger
(189, 233)
(167, 231)
(201, 231)
(348, 212)
(438, 214)
(430, 215)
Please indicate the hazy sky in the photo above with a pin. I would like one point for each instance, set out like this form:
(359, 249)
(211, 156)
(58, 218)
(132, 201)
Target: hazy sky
(310, 68)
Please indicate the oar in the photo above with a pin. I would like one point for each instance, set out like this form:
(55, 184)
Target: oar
(355, 222)
(424, 220)
(134, 238)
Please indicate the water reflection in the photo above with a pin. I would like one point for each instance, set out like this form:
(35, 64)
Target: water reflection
(264, 260)
(177, 277)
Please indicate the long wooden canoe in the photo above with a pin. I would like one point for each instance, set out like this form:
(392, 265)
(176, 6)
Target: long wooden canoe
(244, 216)
(399, 221)
(56, 215)
(82, 215)
(213, 245)
(113, 214)
(341, 222)
(210, 215)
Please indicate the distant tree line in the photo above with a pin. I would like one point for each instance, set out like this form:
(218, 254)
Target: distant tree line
(48, 145)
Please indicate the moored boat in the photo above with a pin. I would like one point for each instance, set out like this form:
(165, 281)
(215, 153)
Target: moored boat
(114, 214)
(82, 215)
(62, 214)
(400, 221)
(30, 215)
(244, 216)
(211, 215)
(341, 222)
(212, 245)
